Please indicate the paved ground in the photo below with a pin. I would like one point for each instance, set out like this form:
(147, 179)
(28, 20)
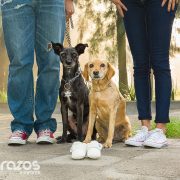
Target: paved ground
(119, 162)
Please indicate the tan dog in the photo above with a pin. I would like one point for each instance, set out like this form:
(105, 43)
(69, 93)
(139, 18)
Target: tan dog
(107, 105)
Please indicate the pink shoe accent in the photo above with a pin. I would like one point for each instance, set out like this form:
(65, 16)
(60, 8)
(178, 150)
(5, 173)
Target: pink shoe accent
(45, 136)
(18, 137)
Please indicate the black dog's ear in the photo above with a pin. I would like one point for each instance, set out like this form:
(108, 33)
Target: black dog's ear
(80, 48)
(57, 48)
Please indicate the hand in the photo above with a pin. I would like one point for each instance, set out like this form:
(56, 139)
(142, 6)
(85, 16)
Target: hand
(69, 6)
(171, 4)
(120, 6)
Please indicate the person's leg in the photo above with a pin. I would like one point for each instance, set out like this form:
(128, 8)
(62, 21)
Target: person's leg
(159, 31)
(18, 25)
(135, 24)
(159, 22)
(50, 26)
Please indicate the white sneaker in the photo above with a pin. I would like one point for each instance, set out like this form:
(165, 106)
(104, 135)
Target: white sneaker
(45, 137)
(94, 150)
(18, 137)
(139, 138)
(78, 150)
(156, 139)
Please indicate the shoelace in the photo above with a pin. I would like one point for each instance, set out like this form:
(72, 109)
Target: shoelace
(139, 134)
(17, 134)
(155, 134)
(45, 132)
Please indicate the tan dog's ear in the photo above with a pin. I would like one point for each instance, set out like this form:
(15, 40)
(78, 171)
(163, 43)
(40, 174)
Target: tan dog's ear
(85, 72)
(110, 71)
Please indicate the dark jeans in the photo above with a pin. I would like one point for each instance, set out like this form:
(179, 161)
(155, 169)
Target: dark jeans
(148, 27)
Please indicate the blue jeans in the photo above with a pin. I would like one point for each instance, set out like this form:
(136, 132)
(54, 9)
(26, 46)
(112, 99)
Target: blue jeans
(148, 27)
(30, 25)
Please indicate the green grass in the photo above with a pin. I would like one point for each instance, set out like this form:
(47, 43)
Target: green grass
(3, 97)
(173, 128)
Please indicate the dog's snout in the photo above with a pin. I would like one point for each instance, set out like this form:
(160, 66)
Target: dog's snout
(96, 73)
(68, 62)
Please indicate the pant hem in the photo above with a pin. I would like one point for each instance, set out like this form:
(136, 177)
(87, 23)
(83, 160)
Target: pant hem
(143, 118)
(160, 121)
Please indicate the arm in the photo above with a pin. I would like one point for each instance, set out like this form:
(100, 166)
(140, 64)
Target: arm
(69, 6)
(120, 6)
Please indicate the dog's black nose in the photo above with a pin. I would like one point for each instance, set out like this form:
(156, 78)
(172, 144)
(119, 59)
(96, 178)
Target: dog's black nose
(95, 73)
(68, 62)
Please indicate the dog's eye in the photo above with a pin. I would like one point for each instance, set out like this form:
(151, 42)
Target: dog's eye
(74, 55)
(102, 65)
(63, 55)
(91, 65)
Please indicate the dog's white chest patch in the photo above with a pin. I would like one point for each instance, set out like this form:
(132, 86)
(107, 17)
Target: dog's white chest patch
(67, 94)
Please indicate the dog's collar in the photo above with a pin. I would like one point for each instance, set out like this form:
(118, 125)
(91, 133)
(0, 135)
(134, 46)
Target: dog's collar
(70, 81)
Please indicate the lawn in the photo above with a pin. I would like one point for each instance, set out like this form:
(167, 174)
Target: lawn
(173, 128)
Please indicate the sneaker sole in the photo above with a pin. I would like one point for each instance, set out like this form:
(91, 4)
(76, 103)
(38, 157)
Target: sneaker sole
(135, 144)
(153, 145)
(17, 142)
(77, 157)
(45, 141)
(93, 156)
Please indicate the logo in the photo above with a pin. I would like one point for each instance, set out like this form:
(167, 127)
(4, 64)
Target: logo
(23, 167)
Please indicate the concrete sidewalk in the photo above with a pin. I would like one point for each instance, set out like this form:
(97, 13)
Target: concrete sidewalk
(119, 162)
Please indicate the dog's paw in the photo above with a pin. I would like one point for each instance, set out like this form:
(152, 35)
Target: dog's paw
(87, 140)
(107, 144)
(60, 140)
(70, 138)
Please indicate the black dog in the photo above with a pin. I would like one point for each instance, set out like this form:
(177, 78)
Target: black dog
(73, 93)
